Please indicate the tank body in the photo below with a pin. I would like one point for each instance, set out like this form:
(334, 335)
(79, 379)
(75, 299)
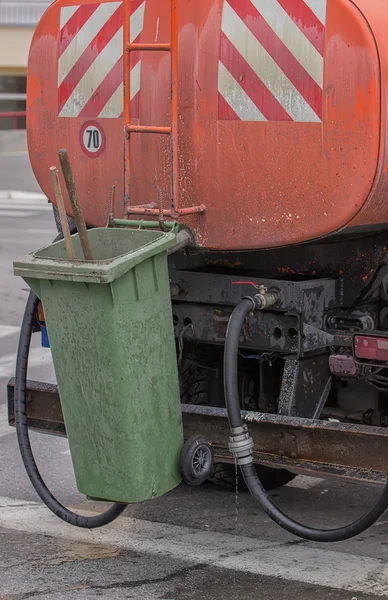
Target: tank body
(282, 130)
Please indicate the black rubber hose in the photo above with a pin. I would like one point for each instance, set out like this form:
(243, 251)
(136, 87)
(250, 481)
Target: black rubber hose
(24, 439)
(249, 472)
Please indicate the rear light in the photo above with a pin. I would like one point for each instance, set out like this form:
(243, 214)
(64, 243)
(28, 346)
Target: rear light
(371, 348)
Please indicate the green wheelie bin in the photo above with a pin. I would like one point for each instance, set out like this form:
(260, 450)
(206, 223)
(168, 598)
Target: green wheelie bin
(109, 322)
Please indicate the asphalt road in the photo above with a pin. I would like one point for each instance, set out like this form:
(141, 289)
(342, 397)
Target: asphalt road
(194, 543)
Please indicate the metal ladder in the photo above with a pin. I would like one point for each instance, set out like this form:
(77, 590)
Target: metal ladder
(172, 131)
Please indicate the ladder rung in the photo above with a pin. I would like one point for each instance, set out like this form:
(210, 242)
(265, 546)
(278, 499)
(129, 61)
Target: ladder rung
(172, 130)
(146, 129)
(155, 47)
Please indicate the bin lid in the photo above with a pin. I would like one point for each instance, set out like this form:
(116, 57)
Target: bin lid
(115, 252)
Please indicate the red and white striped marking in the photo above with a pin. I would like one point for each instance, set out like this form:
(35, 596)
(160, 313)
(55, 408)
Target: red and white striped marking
(90, 65)
(271, 60)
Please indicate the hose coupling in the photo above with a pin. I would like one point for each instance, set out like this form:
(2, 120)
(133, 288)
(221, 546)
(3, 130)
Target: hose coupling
(241, 445)
(263, 299)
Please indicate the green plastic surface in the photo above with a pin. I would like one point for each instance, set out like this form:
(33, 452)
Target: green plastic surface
(111, 333)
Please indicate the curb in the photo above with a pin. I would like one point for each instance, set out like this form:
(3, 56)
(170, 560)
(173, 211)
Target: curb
(19, 195)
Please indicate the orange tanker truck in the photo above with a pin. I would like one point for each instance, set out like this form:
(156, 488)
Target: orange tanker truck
(256, 130)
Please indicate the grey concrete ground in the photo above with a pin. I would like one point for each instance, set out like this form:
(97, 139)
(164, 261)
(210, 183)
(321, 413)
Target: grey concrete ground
(14, 166)
(63, 569)
(194, 543)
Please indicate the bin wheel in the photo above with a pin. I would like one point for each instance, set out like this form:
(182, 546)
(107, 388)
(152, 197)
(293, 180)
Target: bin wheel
(200, 387)
(196, 460)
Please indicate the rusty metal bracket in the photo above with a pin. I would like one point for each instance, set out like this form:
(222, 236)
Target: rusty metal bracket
(323, 448)
(174, 213)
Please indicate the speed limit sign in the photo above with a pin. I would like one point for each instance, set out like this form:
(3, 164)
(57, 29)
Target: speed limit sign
(92, 139)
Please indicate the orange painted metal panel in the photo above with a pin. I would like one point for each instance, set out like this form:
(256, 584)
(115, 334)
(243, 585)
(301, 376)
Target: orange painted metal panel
(277, 154)
(375, 209)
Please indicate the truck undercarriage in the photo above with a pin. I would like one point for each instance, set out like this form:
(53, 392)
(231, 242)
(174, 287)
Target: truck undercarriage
(312, 368)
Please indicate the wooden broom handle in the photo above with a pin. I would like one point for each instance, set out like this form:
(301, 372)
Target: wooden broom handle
(62, 213)
(75, 204)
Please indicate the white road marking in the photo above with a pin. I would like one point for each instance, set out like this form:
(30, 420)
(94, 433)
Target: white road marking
(39, 357)
(7, 365)
(16, 213)
(15, 153)
(7, 330)
(16, 204)
(379, 523)
(37, 232)
(302, 563)
(13, 502)
(5, 429)
(25, 205)
(20, 195)
(304, 482)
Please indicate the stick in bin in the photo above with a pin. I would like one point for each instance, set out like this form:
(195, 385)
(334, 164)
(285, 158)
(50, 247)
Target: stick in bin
(75, 204)
(62, 213)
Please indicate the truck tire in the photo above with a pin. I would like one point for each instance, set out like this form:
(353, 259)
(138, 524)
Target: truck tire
(224, 474)
(195, 384)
